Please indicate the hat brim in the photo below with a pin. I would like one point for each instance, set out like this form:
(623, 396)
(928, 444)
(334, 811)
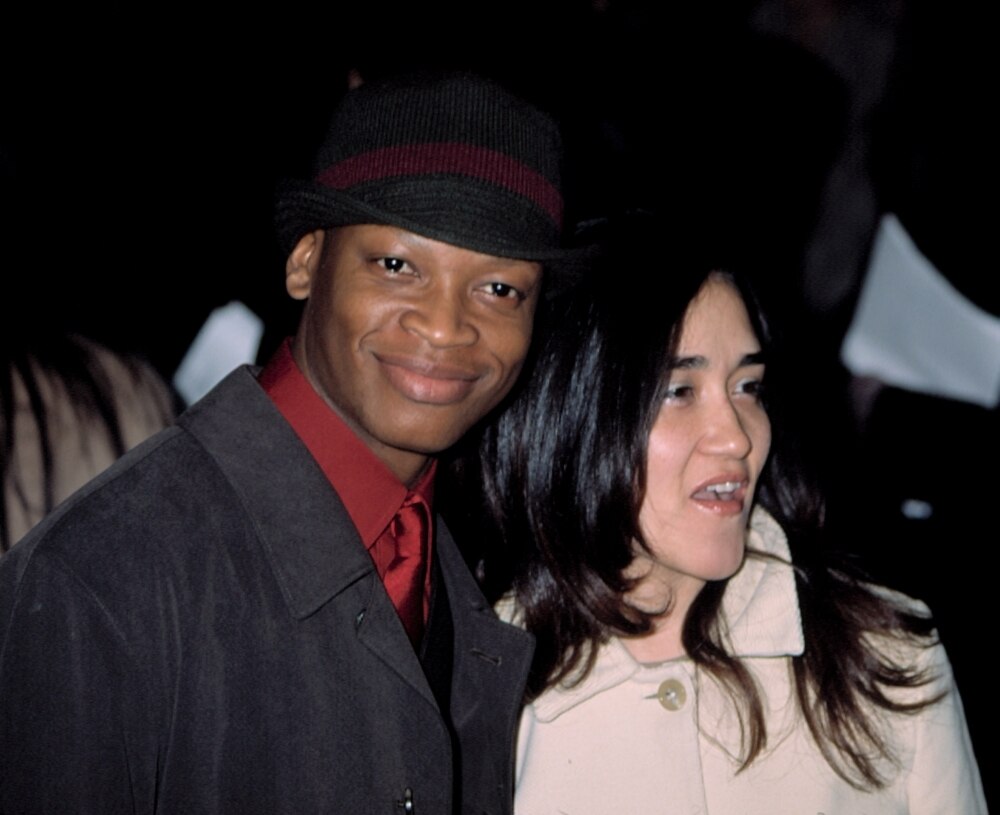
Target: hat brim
(304, 206)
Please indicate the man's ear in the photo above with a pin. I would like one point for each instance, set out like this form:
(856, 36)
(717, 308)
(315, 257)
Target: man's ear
(300, 270)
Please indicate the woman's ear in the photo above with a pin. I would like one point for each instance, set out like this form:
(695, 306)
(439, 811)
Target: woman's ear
(300, 270)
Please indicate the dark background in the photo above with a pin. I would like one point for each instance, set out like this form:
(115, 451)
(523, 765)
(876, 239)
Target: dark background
(139, 158)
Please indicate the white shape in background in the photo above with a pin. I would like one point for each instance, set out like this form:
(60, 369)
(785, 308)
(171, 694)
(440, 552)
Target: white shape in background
(913, 330)
(916, 510)
(229, 338)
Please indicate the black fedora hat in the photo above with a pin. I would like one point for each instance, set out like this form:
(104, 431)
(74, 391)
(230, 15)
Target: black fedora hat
(455, 158)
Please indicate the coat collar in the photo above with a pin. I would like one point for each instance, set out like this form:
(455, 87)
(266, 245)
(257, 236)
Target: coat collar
(297, 517)
(760, 608)
(760, 605)
(309, 539)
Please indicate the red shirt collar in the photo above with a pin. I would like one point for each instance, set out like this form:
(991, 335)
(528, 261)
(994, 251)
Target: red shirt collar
(369, 490)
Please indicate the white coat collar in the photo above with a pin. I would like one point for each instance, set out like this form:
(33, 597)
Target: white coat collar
(760, 607)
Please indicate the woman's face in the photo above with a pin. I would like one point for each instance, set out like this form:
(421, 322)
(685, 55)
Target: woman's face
(706, 451)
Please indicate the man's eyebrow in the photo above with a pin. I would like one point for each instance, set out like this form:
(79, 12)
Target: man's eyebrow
(697, 362)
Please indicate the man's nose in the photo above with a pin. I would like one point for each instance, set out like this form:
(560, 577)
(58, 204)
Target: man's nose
(441, 316)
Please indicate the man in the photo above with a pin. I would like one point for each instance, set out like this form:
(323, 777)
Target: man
(256, 611)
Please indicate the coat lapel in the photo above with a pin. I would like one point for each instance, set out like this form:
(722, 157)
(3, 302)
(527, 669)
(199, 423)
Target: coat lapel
(310, 541)
(316, 553)
(491, 657)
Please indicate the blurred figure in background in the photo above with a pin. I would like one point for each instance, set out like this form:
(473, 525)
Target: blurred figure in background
(68, 406)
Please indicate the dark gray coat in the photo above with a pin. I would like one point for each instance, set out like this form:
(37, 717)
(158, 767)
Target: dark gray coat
(201, 630)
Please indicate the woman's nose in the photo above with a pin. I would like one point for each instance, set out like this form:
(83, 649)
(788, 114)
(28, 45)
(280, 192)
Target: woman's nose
(726, 432)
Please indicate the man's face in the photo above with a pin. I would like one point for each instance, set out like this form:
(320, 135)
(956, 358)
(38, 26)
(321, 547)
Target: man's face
(410, 340)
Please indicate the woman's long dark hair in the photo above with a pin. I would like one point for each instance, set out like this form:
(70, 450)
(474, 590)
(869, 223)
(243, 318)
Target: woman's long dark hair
(564, 479)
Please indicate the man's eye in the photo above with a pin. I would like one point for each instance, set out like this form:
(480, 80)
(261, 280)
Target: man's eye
(504, 290)
(393, 265)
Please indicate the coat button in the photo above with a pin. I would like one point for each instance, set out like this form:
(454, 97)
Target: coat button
(671, 694)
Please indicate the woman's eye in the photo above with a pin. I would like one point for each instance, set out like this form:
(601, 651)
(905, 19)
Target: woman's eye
(751, 387)
(678, 392)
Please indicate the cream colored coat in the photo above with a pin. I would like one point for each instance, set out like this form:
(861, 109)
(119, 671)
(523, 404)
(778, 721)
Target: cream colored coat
(663, 738)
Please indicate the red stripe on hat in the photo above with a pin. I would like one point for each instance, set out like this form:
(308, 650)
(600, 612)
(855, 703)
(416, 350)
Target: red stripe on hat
(447, 157)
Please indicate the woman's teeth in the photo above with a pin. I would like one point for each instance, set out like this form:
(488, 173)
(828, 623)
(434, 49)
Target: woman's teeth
(724, 487)
(723, 491)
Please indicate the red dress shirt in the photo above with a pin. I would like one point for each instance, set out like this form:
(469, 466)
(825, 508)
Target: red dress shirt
(369, 490)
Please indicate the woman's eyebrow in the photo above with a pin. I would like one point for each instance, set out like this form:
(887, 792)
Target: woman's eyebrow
(697, 362)
(687, 363)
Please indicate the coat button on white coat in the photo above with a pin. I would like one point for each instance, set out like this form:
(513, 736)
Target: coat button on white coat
(671, 694)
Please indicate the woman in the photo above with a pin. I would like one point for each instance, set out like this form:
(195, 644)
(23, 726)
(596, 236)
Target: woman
(683, 663)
